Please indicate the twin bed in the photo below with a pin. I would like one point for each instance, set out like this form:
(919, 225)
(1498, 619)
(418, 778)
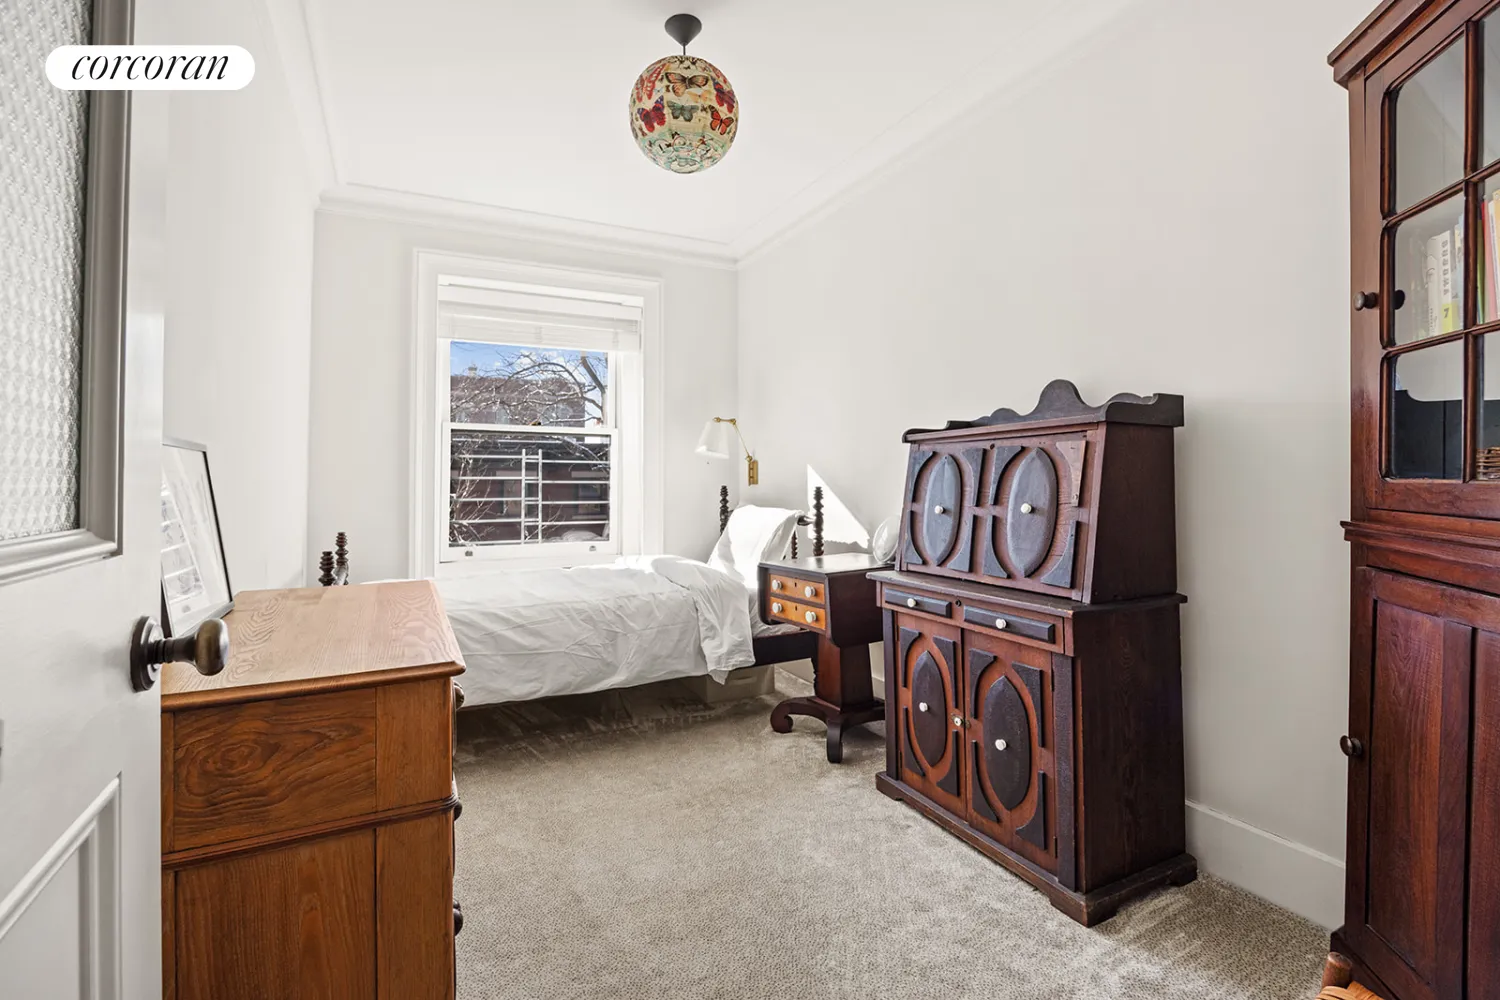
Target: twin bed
(538, 633)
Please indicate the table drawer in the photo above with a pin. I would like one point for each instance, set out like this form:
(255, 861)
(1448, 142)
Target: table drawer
(803, 591)
(1002, 621)
(910, 601)
(806, 615)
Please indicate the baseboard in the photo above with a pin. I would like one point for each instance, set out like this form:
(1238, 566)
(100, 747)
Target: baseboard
(1305, 881)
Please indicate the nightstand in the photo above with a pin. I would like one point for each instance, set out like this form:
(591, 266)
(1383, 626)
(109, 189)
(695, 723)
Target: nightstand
(833, 597)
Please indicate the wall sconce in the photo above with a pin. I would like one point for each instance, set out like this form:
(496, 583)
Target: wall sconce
(715, 442)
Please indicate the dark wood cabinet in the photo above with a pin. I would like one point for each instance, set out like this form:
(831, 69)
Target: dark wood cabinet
(1422, 898)
(1033, 674)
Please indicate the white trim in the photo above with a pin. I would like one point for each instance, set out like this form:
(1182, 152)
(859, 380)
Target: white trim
(425, 434)
(1295, 876)
(364, 201)
(94, 838)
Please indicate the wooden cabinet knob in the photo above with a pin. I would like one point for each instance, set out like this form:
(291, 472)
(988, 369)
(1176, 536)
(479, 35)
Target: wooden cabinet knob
(458, 918)
(1365, 300)
(1351, 746)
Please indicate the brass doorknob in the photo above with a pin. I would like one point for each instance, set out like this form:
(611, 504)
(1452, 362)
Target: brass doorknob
(206, 647)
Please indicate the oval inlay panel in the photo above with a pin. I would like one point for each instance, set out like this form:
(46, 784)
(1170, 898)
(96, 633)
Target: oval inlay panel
(1031, 515)
(939, 530)
(931, 726)
(1008, 771)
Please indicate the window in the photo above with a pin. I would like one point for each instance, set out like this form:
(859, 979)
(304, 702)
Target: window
(539, 415)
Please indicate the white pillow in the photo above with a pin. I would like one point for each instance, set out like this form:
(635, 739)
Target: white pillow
(754, 535)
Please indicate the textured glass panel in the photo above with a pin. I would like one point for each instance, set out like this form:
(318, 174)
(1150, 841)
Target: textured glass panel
(1426, 406)
(42, 146)
(1430, 128)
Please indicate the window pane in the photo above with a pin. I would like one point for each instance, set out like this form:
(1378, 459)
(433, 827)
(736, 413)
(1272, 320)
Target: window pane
(527, 386)
(1490, 132)
(519, 488)
(1429, 272)
(1427, 391)
(1488, 458)
(1429, 147)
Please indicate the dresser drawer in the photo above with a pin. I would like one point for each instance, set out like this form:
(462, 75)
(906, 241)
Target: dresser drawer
(806, 615)
(910, 601)
(1012, 625)
(804, 591)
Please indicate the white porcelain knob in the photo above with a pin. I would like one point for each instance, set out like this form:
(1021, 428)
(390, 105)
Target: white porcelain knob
(958, 720)
(911, 602)
(809, 591)
(775, 584)
(1026, 508)
(812, 616)
(1000, 623)
(776, 607)
(940, 509)
(921, 706)
(999, 744)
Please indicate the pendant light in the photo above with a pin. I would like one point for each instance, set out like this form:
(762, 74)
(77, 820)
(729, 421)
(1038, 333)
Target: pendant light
(683, 112)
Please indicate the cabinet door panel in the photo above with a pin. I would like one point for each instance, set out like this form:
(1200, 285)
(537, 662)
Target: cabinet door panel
(928, 699)
(1011, 735)
(1407, 789)
(1484, 829)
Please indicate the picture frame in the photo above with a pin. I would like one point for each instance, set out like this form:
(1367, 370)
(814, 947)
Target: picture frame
(194, 572)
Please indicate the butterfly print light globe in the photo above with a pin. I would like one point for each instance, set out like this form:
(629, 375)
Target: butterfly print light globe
(683, 114)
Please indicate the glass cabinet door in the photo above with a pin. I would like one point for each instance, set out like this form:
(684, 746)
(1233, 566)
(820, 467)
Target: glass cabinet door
(1440, 207)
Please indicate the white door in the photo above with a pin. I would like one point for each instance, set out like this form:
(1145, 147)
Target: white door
(80, 482)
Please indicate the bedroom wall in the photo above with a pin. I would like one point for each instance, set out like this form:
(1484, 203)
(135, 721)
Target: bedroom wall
(239, 295)
(363, 322)
(1148, 213)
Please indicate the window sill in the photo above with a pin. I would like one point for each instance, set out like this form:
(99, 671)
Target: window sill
(482, 567)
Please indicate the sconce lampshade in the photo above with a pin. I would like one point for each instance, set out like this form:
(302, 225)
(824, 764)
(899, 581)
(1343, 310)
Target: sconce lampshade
(717, 439)
(683, 113)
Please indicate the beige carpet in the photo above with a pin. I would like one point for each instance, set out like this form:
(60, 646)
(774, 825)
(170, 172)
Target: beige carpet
(639, 845)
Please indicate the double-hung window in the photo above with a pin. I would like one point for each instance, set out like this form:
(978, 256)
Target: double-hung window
(539, 404)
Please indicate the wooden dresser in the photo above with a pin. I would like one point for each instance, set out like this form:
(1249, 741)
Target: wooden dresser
(1032, 653)
(308, 801)
(1422, 886)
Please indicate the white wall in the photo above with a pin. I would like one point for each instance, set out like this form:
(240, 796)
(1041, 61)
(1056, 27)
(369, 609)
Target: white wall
(239, 296)
(363, 322)
(1163, 208)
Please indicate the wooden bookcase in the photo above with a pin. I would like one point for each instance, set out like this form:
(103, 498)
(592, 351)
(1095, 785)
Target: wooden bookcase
(1422, 899)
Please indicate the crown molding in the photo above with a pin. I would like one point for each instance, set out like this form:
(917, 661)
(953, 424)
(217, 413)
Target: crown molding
(1067, 25)
(287, 24)
(390, 205)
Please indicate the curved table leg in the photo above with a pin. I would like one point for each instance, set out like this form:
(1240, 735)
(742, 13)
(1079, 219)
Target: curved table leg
(836, 739)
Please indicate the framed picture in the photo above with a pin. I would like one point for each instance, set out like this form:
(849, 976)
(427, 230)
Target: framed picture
(194, 574)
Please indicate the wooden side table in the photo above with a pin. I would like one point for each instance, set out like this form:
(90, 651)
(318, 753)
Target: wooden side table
(833, 597)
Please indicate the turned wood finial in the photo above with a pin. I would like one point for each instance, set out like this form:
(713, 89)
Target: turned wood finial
(325, 564)
(341, 559)
(723, 508)
(794, 543)
(817, 520)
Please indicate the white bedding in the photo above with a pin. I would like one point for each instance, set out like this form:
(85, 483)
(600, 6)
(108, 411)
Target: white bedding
(537, 633)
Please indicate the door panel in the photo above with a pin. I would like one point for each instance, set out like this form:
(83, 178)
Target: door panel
(1411, 652)
(1011, 794)
(80, 762)
(929, 698)
(1484, 828)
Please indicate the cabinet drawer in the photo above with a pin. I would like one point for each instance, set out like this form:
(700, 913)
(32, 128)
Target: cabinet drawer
(806, 591)
(1000, 620)
(264, 767)
(917, 602)
(806, 615)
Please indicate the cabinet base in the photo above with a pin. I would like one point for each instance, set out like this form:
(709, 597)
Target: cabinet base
(1362, 974)
(837, 717)
(1088, 908)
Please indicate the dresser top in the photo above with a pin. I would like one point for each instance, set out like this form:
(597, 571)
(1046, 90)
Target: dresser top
(831, 565)
(284, 643)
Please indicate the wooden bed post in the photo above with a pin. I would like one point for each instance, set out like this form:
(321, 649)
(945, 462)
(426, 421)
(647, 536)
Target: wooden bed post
(723, 508)
(325, 563)
(341, 559)
(817, 524)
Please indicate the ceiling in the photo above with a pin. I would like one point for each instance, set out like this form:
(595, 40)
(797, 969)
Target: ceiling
(523, 105)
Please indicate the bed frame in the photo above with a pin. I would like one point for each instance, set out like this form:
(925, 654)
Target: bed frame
(333, 570)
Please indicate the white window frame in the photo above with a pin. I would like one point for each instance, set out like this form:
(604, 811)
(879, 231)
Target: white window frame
(636, 484)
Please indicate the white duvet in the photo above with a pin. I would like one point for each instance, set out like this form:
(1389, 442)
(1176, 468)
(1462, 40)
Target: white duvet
(536, 633)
